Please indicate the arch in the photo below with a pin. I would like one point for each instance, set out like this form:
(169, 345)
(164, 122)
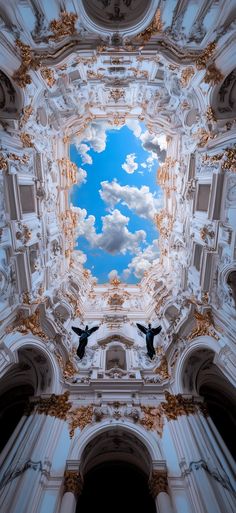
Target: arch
(16, 343)
(95, 22)
(201, 343)
(11, 99)
(147, 439)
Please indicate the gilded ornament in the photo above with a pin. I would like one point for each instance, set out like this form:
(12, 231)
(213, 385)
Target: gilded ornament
(228, 158)
(26, 140)
(56, 405)
(205, 233)
(117, 94)
(152, 418)
(177, 405)
(155, 27)
(48, 76)
(162, 369)
(23, 159)
(26, 113)
(158, 482)
(186, 76)
(213, 75)
(203, 137)
(3, 163)
(205, 325)
(73, 482)
(116, 300)
(80, 417)
(69, 370)
(24, 234)
(29, 61)
(119, 120)
(115, 282)
(29, 324)
(210, 114)
(202, 60)
(69, 170)
(164, 222)
(63, 27)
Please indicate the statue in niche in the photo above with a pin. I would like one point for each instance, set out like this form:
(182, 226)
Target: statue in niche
(83, 338)
(150, 334)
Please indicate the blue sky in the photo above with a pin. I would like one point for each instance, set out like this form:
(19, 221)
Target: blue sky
(116, 198)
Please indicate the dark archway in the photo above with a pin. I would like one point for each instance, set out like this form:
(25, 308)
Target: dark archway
(12, 406)
(222, 410)
(116, 487)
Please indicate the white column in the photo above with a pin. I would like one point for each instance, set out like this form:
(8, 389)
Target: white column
(159, 489)
(73, 486)
(68, 503)
(163, 503)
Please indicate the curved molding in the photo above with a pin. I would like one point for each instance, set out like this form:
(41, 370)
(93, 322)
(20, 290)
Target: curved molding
(130, 30)
(89, 433)
(15, 342)
(204, 342)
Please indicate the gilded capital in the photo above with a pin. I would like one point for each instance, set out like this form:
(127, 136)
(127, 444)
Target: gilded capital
(73, 482)
(158, 482)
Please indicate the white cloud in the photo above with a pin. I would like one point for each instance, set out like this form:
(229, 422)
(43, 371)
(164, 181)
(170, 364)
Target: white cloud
(115, 236)
(141, 201)
(129, 165)
(134, 126)
(83, 151)
(81, 176)
(113, 274)
(144, 165)
(143, 261)
(80, 257)
(154, 143)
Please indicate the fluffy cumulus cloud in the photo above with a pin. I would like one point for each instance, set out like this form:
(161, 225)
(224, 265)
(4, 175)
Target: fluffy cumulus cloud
(114, 238)
(155, 144)
(83, 151)
(143, 261)
(80, 257)
(81, 176)
(141, 201)
(95, 135)
(113, 275)
(134, 126)
(129, 165)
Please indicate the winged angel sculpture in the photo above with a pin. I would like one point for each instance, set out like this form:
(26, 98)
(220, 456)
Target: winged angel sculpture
(150, 334)
(83, 338)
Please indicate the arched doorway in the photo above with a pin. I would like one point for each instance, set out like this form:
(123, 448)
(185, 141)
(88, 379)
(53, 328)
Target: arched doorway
(116, 466)
(115, 487)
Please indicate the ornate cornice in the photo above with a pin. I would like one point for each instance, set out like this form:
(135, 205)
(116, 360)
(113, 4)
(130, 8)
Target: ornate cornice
(158, 482)
(177, 405)
(80, 417)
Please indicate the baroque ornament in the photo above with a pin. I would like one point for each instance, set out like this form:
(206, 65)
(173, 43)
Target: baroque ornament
(158, 482)
(205, 325)
(80, 417)
(213, 75)
(28, 62)
(3, 163)
(55, 405)
(186, 76)
(177, 405)
(48, 76)
(26, 140)
(152, 418)
(63, 27)
(202, 60)
(162, 369)
(155, 27)
(73, 482)
(29, 324)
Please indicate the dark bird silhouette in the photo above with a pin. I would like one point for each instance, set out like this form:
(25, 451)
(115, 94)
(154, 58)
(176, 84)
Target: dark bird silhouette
(83, 338)
(150, 334)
